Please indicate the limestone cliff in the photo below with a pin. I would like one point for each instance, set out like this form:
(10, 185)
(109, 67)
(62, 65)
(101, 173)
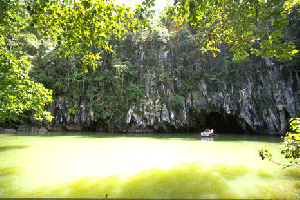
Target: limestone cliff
(260, 103)
(260, 100)
(182, 89)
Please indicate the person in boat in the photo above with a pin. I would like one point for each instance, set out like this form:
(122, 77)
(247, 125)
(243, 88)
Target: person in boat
(207, 133)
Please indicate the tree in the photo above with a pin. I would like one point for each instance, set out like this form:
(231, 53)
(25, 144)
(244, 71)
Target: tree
(290, 146)
(82, 28)
(76, 26)
(249, 26)
(87, 70)
(17, 91)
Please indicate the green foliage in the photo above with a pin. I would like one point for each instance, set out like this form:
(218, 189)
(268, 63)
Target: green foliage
(290, 146)
(255, 26)
(83, 32)
(264, 98)
(10, 19)
(76, 26)
(24, 44)
(18, 92)
(108, 90)
(176, 102)
(90, 50)
(292, 33)
(134, 92)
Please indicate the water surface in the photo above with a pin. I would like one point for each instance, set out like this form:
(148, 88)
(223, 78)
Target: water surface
(142, 166)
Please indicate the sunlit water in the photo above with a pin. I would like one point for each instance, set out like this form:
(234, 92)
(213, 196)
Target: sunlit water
(143, 166)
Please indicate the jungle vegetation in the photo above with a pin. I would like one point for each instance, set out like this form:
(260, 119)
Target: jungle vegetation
(88, 52)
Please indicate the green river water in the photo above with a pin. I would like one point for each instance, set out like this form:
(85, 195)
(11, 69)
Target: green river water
(81, 165)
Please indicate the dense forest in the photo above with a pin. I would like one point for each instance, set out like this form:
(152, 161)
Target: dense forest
(98, 66)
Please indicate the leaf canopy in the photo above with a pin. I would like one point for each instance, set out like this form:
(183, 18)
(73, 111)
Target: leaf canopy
(17, 91)
(79, 25)
(249, 26)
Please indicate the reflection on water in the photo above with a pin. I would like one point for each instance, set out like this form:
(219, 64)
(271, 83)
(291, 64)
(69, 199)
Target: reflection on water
(142, 166)
(210, 139)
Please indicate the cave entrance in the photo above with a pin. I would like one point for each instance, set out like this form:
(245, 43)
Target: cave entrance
(223, 123)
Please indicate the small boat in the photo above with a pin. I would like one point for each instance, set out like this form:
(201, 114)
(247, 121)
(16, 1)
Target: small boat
(207, 133)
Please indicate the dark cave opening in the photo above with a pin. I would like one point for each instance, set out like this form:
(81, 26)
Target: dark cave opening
(223, 123)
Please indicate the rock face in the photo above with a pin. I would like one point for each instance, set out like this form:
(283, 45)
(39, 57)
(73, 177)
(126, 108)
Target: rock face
(9, 130)
(260, 100)
(259, 103)
(255, 96)
(185, 90)
(254, 108)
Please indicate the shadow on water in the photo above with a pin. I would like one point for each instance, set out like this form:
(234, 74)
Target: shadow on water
(186, 181)
(6, 184)
(8, 171)
(13, 147)
(292, 172)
